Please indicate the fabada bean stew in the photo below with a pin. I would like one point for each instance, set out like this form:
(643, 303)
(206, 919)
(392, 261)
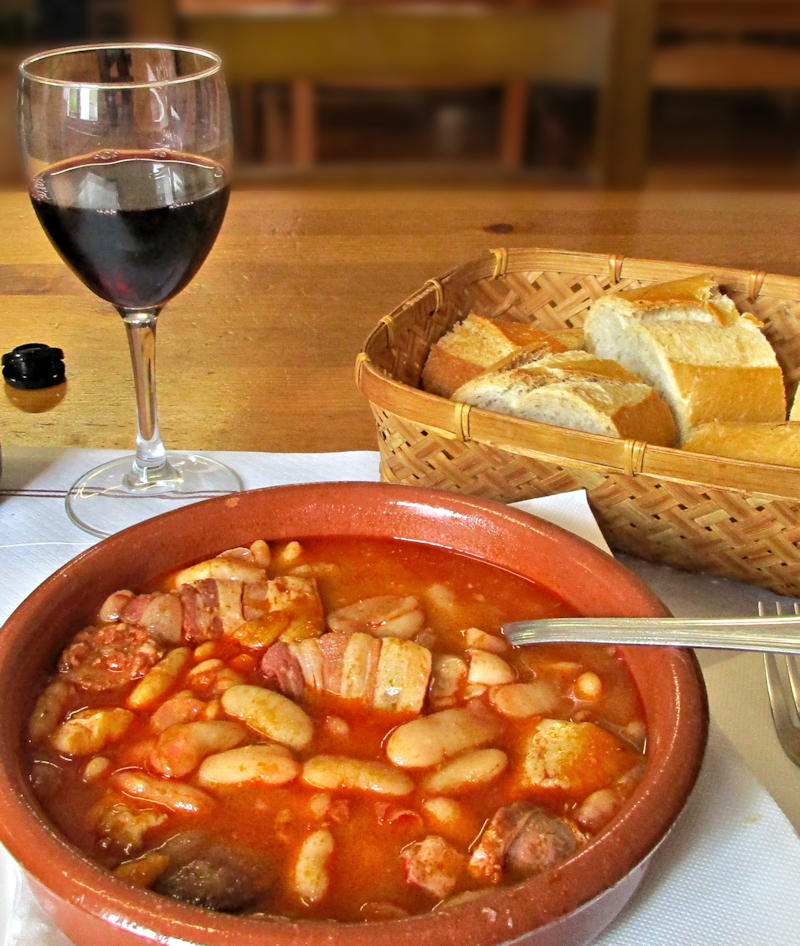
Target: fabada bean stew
(331, 729)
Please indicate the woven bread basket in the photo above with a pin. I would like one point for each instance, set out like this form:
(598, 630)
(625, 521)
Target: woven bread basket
(733, 518)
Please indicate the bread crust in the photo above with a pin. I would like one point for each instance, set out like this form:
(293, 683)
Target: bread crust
(758, 443)
(616, 404)
(696, 299)
(475, 345)
(705, 372)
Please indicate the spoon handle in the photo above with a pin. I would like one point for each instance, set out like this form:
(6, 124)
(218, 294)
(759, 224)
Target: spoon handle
(778, 634)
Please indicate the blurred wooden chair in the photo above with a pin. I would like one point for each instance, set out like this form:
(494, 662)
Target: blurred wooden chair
(727, 45)
(509, 43)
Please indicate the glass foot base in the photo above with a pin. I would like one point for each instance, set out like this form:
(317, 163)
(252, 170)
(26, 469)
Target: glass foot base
(105, 499)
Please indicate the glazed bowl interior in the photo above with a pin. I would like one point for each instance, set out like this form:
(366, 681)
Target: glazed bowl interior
(92, 906)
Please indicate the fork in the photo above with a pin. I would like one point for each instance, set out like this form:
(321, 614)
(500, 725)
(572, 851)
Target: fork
(784, 701)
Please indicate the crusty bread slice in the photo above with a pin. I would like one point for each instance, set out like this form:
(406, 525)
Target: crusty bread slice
(578, 400)
(759, 443)
(476, 344)
(696, 299)
(705, 372)
(574, 364)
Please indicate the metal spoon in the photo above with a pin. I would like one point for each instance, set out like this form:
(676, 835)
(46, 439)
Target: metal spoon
(778, 634)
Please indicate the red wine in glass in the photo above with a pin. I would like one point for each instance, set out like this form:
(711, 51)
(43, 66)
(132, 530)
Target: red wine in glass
(134, 226)
(128, 150)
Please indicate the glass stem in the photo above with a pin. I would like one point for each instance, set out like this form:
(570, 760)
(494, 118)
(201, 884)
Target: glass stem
(150, 464)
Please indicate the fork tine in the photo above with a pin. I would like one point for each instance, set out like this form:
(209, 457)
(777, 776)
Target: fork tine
(785, 711)
(794, 683)
(777, 703)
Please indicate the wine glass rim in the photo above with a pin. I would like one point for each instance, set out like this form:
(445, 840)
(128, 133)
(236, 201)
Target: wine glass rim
(214, 67)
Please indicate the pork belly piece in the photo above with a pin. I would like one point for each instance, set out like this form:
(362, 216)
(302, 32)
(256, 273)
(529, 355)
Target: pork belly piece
(433, 865)
(282, 672)
(385, 673)
(200, 619)
(110, 656)
(521, 840)
(568, 759)
(287, 607)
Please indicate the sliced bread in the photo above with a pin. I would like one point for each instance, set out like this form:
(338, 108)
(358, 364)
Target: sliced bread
(615, 404)
(476, 344)
(696, 299)
(706, 372)
(759, 443)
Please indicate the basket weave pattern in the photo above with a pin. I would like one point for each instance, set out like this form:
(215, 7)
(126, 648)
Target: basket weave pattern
(735, 519)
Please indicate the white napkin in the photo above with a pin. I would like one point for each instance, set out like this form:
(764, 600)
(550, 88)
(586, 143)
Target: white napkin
(729, 872)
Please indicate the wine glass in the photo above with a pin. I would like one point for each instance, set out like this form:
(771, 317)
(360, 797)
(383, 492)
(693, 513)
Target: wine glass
(128, 152)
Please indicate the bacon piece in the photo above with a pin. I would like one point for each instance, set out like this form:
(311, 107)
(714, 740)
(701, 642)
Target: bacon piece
(200, 620)
(385, 673)
(288, 607)
(281, 671)
(401, 679)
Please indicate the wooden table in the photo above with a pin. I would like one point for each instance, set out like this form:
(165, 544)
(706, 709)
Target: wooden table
(258, 353)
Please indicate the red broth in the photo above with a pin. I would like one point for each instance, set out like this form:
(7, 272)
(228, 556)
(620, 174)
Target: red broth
(417, 757)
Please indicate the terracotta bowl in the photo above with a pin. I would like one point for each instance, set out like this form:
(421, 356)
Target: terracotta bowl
(567, 906)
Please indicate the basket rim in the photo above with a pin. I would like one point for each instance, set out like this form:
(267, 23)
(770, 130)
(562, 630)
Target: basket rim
(463, 422)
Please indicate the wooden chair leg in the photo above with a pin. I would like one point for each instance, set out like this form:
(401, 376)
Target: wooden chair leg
(304, 123)
(624, 118)
(275, 136)
(513, 123)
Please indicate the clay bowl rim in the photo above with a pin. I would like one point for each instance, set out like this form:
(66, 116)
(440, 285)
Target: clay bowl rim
(57, 866)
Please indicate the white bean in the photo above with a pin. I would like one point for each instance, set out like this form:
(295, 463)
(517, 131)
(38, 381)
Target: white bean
(588, 687)
(182, 747)
(519, 700)
(49, 709)
(452, 819)
(96, 768)
(310, 875)
(475, 637)
(212, 677)
(488, 669)
(270, 714)
(89, 730)
(335, 772)
(160, 679)
(162, 792)
(266, 764)
(429, 740)
(470, 770)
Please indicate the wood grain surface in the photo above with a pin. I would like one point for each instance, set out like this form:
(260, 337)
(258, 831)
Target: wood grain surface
(258, 352)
